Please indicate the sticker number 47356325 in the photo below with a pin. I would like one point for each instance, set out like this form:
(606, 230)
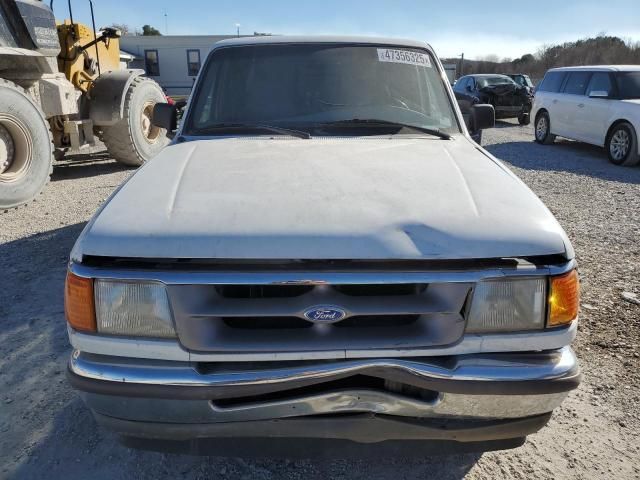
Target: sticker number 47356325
(403, 56)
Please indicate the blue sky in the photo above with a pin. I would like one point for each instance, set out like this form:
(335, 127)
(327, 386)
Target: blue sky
(507, 28)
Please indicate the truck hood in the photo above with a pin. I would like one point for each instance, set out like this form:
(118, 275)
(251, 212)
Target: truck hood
(325, 198)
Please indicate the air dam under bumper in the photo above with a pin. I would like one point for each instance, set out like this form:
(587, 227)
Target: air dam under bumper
(467, 398)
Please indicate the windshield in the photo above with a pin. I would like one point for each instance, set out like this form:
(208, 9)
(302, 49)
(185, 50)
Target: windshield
(489, 81)
(629, 84)
(305, 85)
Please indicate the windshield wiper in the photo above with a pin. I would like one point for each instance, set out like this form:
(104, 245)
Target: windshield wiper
(372, 122)
(220, 127)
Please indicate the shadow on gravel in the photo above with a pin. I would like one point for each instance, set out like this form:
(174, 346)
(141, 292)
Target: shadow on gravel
(564, 155)
(39, 252)
(32, 326)
(507, 123)
(33, 341)
(86, 165)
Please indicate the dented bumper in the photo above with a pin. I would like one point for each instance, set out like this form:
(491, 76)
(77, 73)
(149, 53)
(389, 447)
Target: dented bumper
(181, 400)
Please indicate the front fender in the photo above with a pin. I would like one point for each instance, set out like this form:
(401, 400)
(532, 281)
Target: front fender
(107, 96)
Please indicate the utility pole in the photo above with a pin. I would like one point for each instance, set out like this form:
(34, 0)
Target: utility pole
(462, 64)
(166, 23)
(238, 29)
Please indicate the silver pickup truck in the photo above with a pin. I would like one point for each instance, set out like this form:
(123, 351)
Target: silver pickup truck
(323, 256)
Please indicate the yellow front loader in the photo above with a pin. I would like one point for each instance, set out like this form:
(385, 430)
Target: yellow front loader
(62, 85)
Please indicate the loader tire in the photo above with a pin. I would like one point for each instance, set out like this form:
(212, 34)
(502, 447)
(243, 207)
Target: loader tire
(133, 140)
(26, 147)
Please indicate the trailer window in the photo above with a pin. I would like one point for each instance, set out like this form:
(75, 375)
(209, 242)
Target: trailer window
(151, 64)
(193, 62)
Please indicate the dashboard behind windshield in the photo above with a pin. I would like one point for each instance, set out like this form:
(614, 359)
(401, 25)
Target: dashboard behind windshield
(302, 85)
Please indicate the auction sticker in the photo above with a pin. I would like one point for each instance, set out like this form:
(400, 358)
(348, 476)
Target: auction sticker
(403, 56)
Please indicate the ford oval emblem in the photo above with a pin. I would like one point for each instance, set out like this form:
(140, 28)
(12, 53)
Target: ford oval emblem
(326, 314)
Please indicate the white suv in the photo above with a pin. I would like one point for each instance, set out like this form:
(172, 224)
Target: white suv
(598, 105)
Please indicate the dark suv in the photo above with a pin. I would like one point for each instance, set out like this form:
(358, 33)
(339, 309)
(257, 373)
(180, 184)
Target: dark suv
(509, 99)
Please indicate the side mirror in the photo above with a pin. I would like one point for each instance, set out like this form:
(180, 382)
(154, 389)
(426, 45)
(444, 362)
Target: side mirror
(483, 116)
(599, 94)
(165, 116)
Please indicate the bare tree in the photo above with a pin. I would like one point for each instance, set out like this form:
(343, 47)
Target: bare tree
(123, 27)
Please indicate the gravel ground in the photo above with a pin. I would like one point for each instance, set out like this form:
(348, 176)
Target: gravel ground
(46, 432)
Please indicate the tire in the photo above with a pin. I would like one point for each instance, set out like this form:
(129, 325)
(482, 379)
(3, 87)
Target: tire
(133, 140)
(542, 130)
(523, 119)
(26, 147)
(622, 145)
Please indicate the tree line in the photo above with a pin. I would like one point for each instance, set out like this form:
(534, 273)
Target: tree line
(146, 30)
(600, 50)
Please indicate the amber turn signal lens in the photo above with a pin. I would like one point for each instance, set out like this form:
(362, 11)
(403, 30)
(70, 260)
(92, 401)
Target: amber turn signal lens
(79, 307)
(564, 299)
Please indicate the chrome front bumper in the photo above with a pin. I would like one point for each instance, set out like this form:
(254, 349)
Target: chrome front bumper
(488, 387)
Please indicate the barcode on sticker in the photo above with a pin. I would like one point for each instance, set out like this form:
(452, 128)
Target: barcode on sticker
(403, 56)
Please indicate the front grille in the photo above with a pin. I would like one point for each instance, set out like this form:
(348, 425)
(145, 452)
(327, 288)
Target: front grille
(271, 318)
(356, 321)
(262, 291)
(261, 323)
(381, 290)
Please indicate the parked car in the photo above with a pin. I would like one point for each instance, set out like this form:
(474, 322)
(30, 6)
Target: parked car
(323, 254)
(597, 105)
(509, 99)
(523, 80)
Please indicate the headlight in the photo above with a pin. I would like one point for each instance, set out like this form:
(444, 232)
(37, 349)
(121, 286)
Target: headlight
(508, 305)
(136, 309)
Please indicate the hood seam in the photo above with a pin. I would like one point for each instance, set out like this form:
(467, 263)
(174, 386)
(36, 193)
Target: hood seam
(174, 193)
(464, 182)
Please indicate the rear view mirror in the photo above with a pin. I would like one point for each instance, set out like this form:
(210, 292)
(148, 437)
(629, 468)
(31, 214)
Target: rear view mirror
(165, 116)
(599, 94)
(483, 116)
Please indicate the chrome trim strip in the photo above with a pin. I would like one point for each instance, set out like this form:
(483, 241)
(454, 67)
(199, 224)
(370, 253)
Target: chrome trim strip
(470, 343)
(486, 368)
(311, 277)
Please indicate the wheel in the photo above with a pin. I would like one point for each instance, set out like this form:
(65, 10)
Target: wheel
(26, 147)
(543, 129)
(622, 145)
(134, 140)
(523, 119)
